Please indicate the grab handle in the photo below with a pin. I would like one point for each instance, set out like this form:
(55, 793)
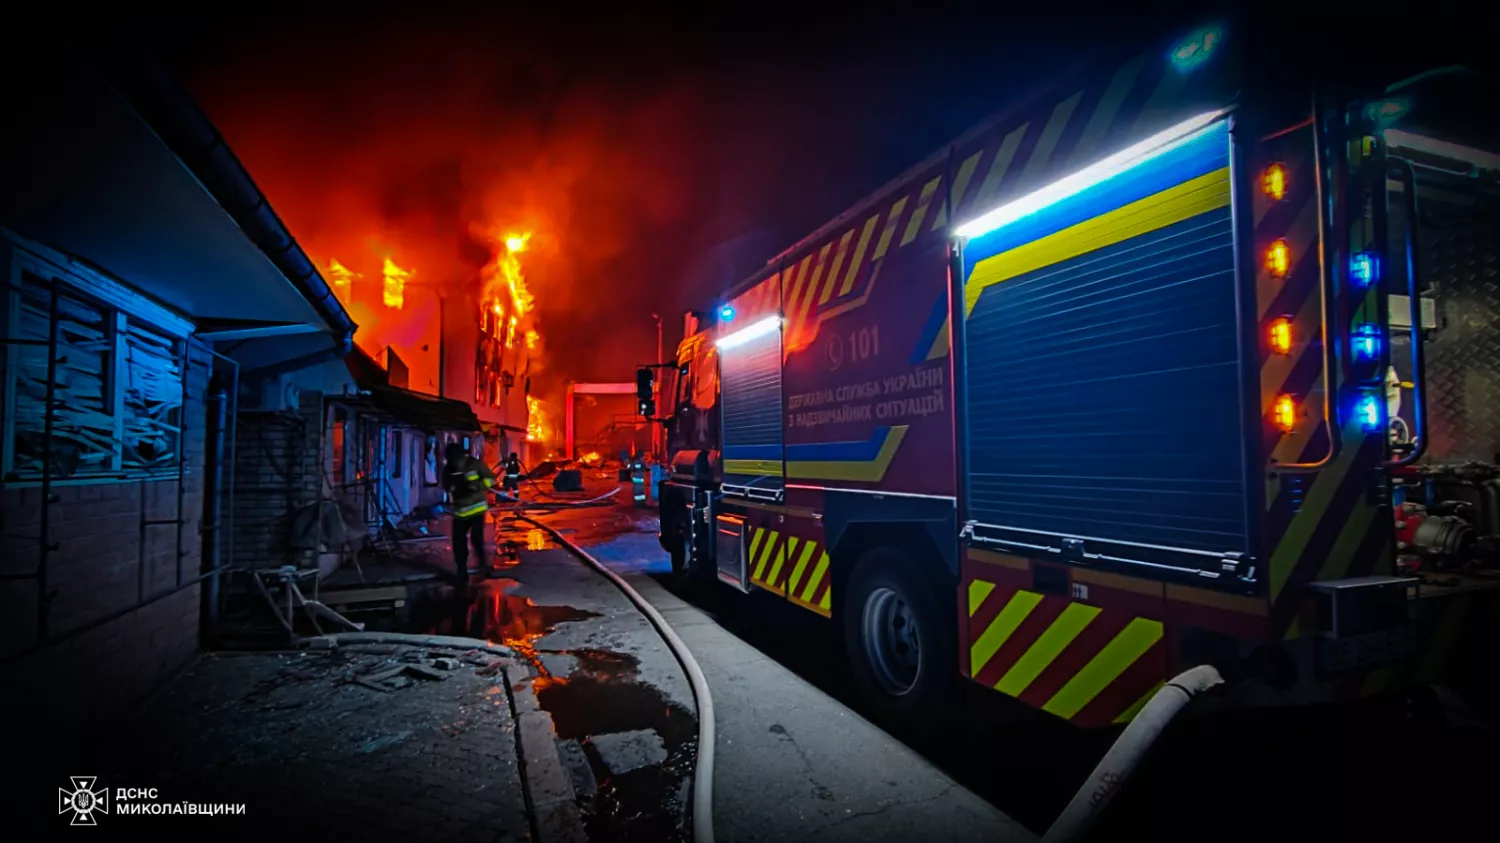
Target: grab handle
(1408, 175)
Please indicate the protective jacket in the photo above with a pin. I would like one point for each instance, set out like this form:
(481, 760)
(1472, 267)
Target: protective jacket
(469, 482)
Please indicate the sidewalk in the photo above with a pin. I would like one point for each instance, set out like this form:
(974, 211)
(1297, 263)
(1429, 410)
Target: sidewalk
(362, 741)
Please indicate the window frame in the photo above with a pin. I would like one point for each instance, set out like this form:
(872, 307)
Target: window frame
(121, 305)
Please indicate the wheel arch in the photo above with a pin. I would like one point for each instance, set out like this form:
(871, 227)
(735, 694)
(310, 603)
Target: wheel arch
(925, 531)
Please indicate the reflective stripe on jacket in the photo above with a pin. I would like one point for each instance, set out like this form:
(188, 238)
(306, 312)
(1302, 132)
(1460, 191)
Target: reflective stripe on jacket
(468, 482)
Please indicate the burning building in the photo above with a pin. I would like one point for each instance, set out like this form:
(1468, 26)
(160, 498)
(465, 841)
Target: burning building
(491, 347)
(473, 338)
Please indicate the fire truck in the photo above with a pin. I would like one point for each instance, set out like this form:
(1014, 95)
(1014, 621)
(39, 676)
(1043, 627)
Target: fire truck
(1193, 359)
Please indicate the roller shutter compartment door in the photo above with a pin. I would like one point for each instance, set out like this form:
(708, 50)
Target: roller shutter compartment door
(1102, 360)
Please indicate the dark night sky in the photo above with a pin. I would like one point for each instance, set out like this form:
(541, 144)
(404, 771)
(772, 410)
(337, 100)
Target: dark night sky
(658, 157)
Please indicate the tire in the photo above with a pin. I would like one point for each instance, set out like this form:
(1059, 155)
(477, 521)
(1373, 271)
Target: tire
(899, 640)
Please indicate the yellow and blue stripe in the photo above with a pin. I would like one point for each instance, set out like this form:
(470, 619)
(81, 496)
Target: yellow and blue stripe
(1181, 183)
(861, 461)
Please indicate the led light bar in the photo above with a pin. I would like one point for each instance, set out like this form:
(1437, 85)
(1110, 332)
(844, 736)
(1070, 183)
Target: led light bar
(1114, 165)
(1476, 158)
(768, 325)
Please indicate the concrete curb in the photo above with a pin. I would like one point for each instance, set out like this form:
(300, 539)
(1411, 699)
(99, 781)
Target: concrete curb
(549, 788)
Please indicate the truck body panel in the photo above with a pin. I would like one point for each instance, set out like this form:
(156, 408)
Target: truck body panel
(1133, 428)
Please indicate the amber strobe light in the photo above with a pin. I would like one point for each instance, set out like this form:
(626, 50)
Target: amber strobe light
(1281, 336)
(1273, 182)
(1285, 413)
(1278, 259)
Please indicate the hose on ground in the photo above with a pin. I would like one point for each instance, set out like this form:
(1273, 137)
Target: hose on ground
(703, 772)
(1076, 820)
(518, 505)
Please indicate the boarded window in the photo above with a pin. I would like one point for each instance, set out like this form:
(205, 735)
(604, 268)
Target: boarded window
(152, 400)
(83, 407)
(117, 388)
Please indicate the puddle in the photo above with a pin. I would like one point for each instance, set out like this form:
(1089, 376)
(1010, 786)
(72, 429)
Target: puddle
(490, 613)
(604, 696)
(589, 693)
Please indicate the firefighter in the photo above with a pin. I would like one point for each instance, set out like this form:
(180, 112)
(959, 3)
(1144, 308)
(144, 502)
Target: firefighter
(637, 480)
(513, 474)
(468, 482)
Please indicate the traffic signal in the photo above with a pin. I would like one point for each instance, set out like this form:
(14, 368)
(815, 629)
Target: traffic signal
(645, 382)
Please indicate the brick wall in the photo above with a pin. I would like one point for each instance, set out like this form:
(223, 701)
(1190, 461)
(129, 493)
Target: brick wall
(110, 555)
(277, 478)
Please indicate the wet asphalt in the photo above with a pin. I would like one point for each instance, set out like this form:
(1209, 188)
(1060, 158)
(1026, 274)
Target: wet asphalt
(798, 761)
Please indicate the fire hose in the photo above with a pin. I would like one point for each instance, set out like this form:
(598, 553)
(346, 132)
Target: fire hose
(703, 771)
(1077, 820)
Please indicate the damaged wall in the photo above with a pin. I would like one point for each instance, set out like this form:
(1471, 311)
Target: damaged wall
(117, 545)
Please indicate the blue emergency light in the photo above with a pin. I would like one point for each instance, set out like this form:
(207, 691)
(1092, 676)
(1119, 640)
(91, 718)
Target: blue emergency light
(1362, 268)
(726, 313)
(1367, 342)
(1369, 411)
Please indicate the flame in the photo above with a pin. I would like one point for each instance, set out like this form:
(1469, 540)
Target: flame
(395, 285)
(504, 274)
(342, 277)
(591, 456)
(532, 338)
(536, 421)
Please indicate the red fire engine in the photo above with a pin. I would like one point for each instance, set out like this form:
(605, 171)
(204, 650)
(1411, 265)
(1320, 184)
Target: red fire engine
(1183, 365)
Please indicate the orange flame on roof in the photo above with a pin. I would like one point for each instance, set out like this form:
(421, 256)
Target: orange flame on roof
(394, 291)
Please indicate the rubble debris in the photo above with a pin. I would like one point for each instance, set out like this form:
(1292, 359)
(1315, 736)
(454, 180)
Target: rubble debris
(374, 649)
(388, 673)
(374, 686)
(573, 758)
(446, 664)
(423, 671)
(401, 676)
(623, 752)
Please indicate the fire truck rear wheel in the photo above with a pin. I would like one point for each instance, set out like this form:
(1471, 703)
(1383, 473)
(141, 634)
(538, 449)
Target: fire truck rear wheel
(898, 641)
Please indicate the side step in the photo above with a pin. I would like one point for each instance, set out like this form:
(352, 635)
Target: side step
(729, 551)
